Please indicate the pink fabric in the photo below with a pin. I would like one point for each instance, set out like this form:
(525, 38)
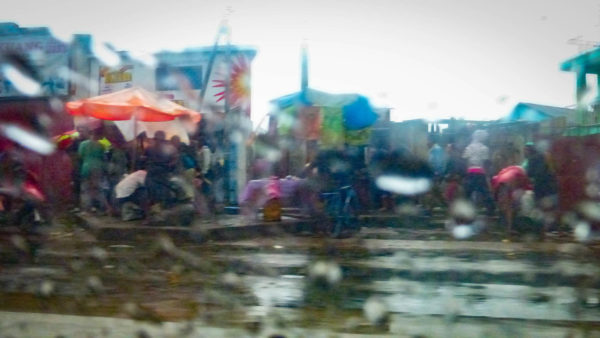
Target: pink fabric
(257, 192)
(514, 176)
(273, 188)
(475, 170)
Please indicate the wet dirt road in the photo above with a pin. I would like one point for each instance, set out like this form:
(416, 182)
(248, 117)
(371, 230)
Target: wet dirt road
(392, 281)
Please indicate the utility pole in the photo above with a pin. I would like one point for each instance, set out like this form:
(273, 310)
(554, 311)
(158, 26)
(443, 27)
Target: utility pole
(232, 146)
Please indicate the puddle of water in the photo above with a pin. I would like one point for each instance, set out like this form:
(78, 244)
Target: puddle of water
(284, 291)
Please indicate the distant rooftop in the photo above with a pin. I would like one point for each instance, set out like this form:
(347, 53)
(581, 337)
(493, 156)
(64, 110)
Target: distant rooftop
(251, 51)
(11, 28)
(536, 112)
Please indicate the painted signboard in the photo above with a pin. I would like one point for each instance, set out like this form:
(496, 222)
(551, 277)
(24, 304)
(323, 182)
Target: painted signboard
(115, 79)
(49, 57)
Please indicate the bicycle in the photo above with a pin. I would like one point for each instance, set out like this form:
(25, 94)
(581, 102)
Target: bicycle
(341, 209)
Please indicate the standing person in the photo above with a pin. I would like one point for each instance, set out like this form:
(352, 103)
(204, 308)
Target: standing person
(437, 158)
(91, 154)
(505, 155)
(218, 188)
(117, 162)
(437, 161)
(545, 185)
(186, 160)
(161, 158)
(477, 155)
(83, 134)
(57, 178)
(456, 168)
(203, 180)
(381, 199)
(509, 186)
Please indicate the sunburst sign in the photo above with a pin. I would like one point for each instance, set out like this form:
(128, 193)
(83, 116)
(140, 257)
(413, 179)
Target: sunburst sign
(239, 86)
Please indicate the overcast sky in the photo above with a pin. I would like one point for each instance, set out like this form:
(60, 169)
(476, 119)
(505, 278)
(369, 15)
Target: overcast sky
(425, 58)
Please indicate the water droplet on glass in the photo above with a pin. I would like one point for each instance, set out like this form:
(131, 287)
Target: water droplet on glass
(142, 334)
(44, 120)
(56, 104)
(19, 242)
(272, 154)
(403, 185)
(591, 175)
(99, 253)
(376, 311)
(46, 288)
(236, 137)
(166, 244)
(22, 82)
(408, 209)
(145, 58)
(232, 280)
(76, 265)
(95, 284)
(328, 271)
(582, 231)
(569, 218)
(105, 54)
(131, 308)
(463, 210)
(63, 34)
(592, 190)
(592, 301)
(590, 210)
(37, 57)
(462, 231)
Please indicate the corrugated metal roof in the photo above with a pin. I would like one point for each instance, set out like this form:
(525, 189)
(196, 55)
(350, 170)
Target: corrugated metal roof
(588, 62)
(536, 112)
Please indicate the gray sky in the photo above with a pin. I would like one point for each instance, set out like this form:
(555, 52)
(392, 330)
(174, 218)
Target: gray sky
(424, 58)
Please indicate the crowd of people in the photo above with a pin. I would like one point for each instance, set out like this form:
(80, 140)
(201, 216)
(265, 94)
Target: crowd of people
(133, 185)
(98, 172)
(508, 180)
(95, 171)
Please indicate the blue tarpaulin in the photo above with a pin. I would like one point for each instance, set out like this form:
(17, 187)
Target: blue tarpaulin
(357, 111)
(359, 114)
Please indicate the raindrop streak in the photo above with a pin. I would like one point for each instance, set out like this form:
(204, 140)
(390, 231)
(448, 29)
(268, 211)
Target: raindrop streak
(105, 54)
(145, 58)
(27, 139)
(20, 81)
(403, 185)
